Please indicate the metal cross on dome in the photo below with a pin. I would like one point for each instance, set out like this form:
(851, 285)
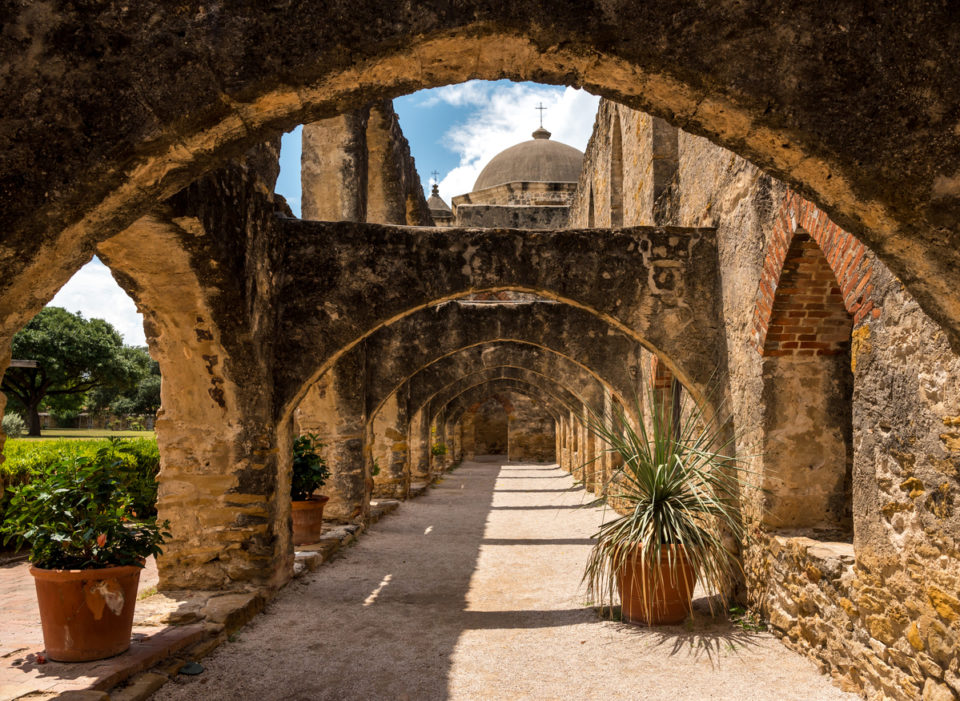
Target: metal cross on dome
(541, 108)
(436, 176)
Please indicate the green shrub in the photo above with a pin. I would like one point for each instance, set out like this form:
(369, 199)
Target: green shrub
(137, 464)
(13, 425)
(78, 513)
(309, 468)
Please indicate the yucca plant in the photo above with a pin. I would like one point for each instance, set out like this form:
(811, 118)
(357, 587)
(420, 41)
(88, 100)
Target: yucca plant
(679, 486)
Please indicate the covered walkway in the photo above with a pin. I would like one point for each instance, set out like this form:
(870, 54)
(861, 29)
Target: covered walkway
(474, 593)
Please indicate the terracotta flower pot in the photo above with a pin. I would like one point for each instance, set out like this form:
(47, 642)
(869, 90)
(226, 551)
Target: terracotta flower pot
(86, 614)
(308, 519)
(657, 594)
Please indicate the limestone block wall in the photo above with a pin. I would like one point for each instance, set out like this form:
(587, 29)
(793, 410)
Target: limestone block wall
(531, 431)
(880, 610)
(512, 217)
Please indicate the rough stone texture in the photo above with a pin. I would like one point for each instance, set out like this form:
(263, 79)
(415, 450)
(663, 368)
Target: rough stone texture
(200, 271)
(826, 97)
(357, 167)
(882, 453)
(333, 168)
(657, 285)
(512, 216)
(531, 431)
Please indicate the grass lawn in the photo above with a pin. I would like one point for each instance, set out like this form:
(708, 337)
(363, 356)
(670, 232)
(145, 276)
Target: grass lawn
(73, 433)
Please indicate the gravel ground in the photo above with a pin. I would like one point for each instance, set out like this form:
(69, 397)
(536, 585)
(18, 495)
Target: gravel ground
(473, 592)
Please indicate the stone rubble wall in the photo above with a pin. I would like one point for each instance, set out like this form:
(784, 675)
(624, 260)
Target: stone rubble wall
(881, 613)
(512, 216)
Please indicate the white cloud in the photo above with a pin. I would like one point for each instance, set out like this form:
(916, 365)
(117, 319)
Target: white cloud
(473, 92)
(93, 292)
(507, 115)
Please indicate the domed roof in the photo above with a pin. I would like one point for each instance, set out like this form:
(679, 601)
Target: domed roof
(540, 160)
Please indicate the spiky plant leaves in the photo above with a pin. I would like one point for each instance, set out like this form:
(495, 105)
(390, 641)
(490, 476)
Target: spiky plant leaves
(679, 485)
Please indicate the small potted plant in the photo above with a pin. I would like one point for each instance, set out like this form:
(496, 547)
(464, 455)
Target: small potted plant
(87, 551)
(678, 490)
(309, 472)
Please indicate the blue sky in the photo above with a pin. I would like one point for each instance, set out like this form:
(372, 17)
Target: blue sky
(454, 130)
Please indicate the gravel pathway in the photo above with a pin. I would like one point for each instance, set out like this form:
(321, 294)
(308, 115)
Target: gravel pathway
(473, 592)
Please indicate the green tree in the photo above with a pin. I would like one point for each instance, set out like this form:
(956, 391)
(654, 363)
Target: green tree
(141, 395)
(73, 354)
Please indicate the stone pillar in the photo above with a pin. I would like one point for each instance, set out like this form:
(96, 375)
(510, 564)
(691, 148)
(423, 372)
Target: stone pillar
(388, 433)
(419, 444)
(333, 168)
(386, 198)
(224, 481)
(438, 463)
(333, 408)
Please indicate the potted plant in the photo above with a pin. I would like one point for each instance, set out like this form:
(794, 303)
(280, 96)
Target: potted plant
(87, 551)
(309, 472)
(677, 490)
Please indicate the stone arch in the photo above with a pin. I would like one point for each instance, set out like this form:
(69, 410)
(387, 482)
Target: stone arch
(808, 396)
(220, 463)
(252, 84)
(844, 254)
(616, 173)
(397, 414)
(655, 285)
(546, 388)
(415, 343)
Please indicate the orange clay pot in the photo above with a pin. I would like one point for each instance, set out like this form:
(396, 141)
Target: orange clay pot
(657, 598)
(308, 519)
(86, 614)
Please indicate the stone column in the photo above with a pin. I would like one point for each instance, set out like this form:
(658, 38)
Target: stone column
(418, 442)
(333, 408)
(333, 168)
(386, 199)
(389, 429)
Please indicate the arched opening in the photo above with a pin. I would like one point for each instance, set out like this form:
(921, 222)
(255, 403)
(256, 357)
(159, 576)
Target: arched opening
(808, 395)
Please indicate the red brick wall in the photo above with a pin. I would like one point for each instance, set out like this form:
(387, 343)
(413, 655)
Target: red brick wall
(815, 284)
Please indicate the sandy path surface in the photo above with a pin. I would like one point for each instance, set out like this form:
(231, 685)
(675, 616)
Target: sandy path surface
(473, 592)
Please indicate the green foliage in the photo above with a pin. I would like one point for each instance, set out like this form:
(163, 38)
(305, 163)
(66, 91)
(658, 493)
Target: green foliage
(679, 487)
(375, 469)
(138, 462)
(309, 468)
(438, 449)
(79, 513)
(13, 425)
(74, 355)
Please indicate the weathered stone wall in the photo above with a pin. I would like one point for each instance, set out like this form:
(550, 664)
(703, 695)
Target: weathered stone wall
(533, 194)
(357, 167)
(531, 430)
(512, 217)
(883, 615)
(490, 425)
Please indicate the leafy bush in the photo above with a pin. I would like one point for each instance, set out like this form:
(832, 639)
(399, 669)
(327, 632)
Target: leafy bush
(78, 513)
(439, 449)
(309, 468)
(13, 425)
(138, 462)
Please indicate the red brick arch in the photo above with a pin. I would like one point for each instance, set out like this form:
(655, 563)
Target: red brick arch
(813, 275)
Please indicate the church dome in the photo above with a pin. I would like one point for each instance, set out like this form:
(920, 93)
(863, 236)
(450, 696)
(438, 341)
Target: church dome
(539, 160)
